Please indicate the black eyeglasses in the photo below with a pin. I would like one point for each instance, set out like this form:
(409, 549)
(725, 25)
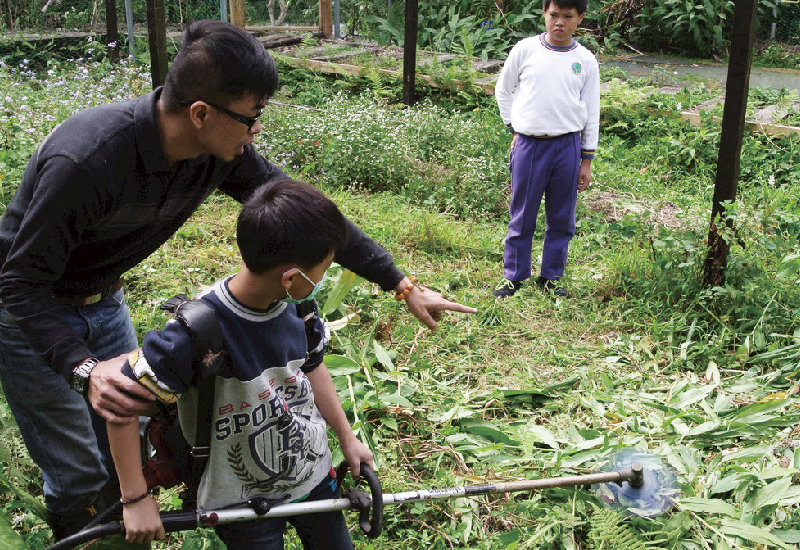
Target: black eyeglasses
(248, 121)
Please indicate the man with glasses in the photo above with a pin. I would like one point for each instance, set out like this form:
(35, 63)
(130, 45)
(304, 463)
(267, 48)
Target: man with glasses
(100, 194)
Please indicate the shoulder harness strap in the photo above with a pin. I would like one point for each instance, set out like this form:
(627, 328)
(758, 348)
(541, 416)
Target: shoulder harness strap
(200, 320)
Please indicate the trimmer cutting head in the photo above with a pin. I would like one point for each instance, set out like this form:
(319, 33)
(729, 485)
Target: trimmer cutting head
(657, 493)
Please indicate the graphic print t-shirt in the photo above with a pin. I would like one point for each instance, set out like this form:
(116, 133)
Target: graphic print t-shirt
(268, 438)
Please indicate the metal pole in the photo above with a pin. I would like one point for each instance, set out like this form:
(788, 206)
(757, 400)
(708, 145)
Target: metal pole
(336, 20)
(129, 23)
(190, 519)
(773, 30)
(223, 10)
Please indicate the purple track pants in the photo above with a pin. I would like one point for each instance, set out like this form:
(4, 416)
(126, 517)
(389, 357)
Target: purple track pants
(542, 167)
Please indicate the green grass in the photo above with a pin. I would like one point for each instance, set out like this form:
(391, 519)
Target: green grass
(640, 355)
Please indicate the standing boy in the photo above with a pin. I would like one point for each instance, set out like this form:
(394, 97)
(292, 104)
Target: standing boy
(549, 97)
(272, 394)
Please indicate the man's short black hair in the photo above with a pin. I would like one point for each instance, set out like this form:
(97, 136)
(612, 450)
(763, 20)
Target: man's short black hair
(218, 62)
(289, 221)
(580, 5)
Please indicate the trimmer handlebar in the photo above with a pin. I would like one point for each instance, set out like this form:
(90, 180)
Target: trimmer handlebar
(177, 520)
(370, 526)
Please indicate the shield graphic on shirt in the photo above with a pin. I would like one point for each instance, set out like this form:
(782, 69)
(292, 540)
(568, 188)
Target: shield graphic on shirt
(278, 447)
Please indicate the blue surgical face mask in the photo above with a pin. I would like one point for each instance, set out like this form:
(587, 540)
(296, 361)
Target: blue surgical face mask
(314, 291)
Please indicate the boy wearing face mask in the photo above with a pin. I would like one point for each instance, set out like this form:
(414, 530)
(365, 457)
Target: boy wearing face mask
(273, 396)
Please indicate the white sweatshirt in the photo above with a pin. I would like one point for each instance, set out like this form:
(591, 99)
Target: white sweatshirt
(548, 91)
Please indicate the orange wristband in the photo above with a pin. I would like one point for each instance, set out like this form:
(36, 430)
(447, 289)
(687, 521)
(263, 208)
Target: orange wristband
(403, 294)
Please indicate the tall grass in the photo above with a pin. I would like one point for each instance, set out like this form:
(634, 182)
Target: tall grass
(641, 355)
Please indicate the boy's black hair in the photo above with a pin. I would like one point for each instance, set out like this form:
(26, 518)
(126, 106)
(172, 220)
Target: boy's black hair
(289, 221)
(218, 62)
(580, 5)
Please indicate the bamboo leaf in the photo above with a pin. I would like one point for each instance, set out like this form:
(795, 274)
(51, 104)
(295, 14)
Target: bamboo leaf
(691, 396)
(748, 454)
(347, 280)
(707, 506)
(753, 533)
(339, 365)
(382, 355)
(539, 434)
(486, 429)
(771, 494)
(759, 413)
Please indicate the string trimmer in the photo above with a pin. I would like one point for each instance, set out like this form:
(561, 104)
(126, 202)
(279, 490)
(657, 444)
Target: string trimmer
(641, 484)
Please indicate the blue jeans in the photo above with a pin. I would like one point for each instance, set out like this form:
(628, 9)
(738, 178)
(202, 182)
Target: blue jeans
(64, 435)
(319, 531)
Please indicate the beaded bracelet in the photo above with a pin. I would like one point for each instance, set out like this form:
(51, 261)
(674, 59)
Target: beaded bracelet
(403, 294)
(135, 499)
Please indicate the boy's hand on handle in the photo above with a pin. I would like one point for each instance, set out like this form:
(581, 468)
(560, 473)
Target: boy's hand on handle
(427, 305)
(141, 521)
(114, 396)
(355, 453)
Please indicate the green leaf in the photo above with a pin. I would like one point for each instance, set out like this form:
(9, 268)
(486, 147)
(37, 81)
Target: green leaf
(395, 399)
(791, 497)
(771, 494)
(485, 429)
(759, 413)
(339, 365)
(691, 395)
(523, 396)
(454, 413)
(748, 454)
(347, 280)
(707, 506)
(758, 535)
(538, 434)
(789, 268)
(9, 539)
(382, 355)
(789, 536)
(563, 384)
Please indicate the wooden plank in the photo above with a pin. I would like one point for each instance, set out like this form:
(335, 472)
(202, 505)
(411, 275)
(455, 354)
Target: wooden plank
(357, 70)
(752, 126)
(492, 65)
(669, 90)
(773, 129)
(312, 52)
(279, 41)
(271, 36)
(282, 28)
(770, 113)
(710, 103)
(335, 68)
(342, 55)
